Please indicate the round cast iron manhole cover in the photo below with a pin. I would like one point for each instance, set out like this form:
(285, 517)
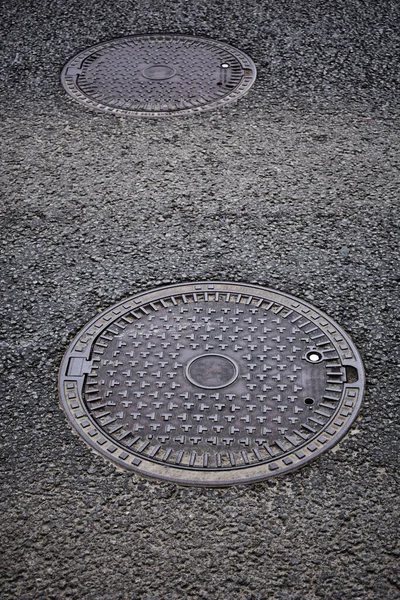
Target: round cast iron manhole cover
(158, 75)
(211, 383)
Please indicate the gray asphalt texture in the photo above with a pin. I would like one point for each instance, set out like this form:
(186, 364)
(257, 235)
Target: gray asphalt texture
(294, 187)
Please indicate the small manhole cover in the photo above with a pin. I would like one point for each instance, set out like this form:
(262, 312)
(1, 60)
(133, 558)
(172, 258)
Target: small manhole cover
(158, 75)
(211, 383)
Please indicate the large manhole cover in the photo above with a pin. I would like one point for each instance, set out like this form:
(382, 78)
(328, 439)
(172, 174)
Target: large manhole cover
(211, 383)
(158, 75)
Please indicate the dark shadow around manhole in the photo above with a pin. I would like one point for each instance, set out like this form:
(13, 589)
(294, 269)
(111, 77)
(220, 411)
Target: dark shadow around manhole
(211, 383)
(158, 75)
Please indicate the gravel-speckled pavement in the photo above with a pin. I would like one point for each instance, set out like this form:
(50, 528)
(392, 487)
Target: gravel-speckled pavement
(294, 187)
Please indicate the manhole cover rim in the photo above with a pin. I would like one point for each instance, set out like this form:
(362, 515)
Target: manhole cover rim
(81, 98)
(211, 477)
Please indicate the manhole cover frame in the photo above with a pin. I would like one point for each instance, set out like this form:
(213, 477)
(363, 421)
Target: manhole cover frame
(72, 68)
(79, 351)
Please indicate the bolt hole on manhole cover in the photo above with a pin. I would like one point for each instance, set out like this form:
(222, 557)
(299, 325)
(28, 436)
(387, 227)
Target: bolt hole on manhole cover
(211, 383)
(158, 75)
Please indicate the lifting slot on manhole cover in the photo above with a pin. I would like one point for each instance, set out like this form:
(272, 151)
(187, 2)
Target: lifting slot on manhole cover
(78, 366)
(211, 383)
(351, 374)
(73, 71)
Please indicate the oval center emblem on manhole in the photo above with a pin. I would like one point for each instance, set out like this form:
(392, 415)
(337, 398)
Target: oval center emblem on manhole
(158, 75)
(158, 72)
(211, 371)
(211, 383)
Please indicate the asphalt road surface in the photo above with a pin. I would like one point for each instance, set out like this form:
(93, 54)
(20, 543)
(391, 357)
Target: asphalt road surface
(294, 187)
